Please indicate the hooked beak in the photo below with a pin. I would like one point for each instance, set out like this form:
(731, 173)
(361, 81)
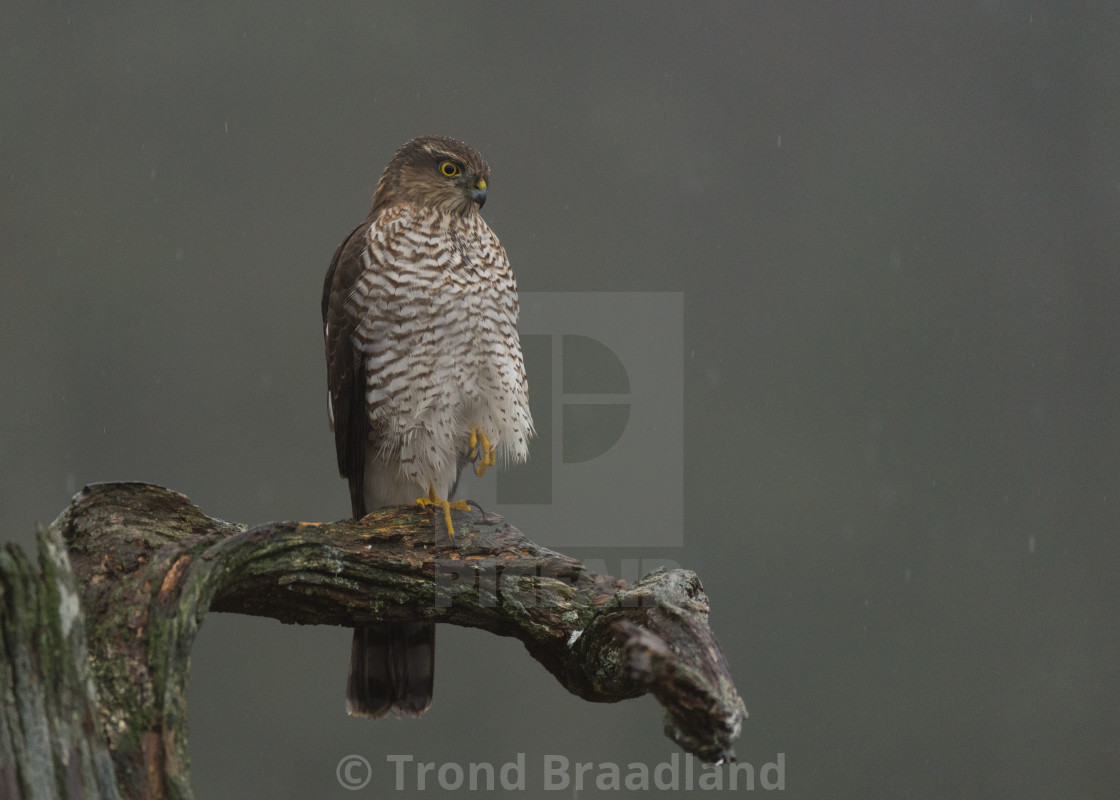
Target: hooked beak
(478, 193)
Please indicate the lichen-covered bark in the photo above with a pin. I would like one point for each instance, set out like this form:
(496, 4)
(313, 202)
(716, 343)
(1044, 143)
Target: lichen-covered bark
(51, 740)
(150, 565)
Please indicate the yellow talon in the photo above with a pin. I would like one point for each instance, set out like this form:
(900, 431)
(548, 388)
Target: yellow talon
(434, 499)
(484, 457)
(484, 454)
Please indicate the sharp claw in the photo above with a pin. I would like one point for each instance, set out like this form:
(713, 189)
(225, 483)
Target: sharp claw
(485, 456)
(435, 501)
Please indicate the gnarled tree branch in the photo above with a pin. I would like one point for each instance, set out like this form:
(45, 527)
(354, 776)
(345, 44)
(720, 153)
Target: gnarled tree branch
(148, 565)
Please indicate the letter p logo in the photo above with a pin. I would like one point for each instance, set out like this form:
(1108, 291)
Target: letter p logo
(606, 467)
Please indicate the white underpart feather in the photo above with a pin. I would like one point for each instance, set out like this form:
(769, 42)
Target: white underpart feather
(436, 312)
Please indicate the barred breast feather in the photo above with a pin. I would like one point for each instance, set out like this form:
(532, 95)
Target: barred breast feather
(435, 321)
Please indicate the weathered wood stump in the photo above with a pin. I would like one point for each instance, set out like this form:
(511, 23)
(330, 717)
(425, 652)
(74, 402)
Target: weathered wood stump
(94, 644)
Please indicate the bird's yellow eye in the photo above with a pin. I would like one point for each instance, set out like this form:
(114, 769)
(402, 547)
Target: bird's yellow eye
(450, 169)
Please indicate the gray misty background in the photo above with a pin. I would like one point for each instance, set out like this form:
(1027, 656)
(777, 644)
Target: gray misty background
(895, 227)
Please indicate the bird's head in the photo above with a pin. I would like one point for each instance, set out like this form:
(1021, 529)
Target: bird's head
(436, 172)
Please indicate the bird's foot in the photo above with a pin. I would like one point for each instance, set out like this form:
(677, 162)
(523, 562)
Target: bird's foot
(482, 452)
(435, 501)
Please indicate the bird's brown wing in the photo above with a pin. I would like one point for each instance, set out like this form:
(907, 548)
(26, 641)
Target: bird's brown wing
(345, 375)
(391, 664)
